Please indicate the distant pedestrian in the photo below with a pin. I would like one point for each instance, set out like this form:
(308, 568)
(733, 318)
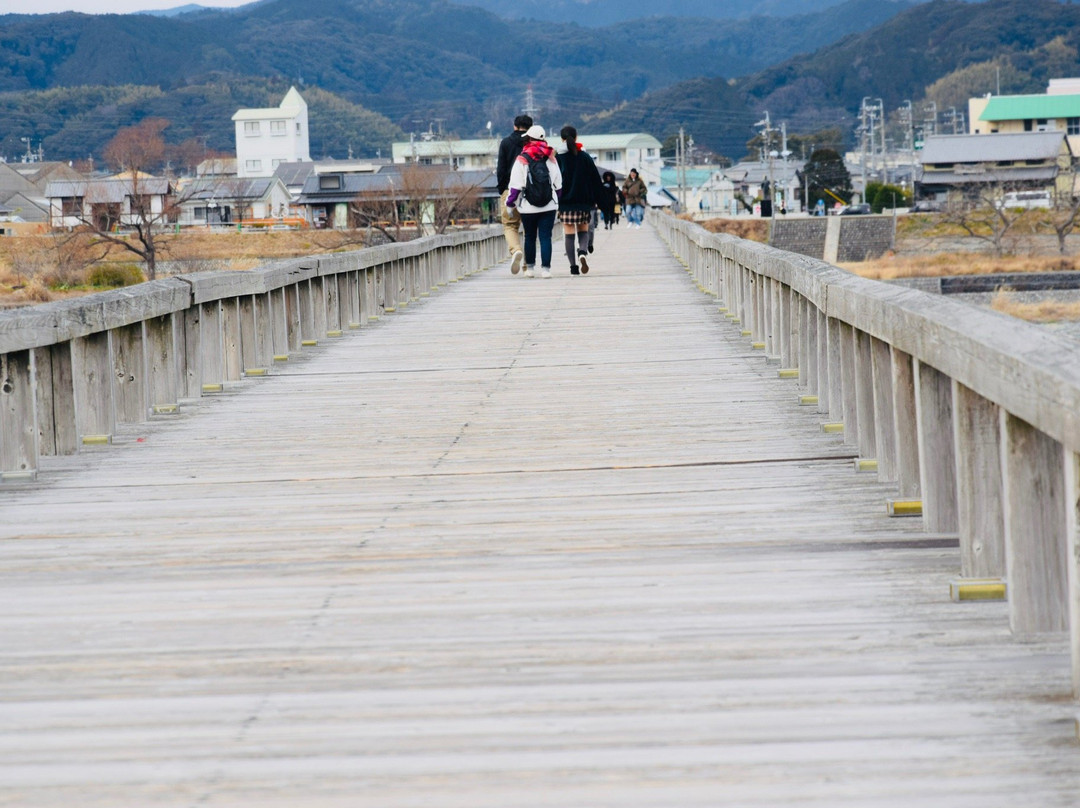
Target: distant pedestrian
(635, 192)
(509, 149)
(609, 199)
(535, 185)
(582, 190)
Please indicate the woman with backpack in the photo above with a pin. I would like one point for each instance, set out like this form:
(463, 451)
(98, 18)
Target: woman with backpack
(582, 191)
(535, 183)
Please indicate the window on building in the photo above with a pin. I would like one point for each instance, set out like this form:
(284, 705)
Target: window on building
(277, 128)
(426, 161)
(611, 157)
(253, 165)
(1043, 125)
(1029, 125)
(1072, 126)
(298, 127)
(251, 129)
(330, 182)
(650, 152)
(71, 206)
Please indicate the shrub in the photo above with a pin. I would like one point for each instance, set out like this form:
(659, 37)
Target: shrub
(114, 275)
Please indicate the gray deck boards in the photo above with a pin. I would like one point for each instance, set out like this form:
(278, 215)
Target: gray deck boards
(528, 543)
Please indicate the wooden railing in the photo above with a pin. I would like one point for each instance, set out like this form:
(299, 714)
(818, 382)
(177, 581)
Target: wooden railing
(973, 416)
(71, 371)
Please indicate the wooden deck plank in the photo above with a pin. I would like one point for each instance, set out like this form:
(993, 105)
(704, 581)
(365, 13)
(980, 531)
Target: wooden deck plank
(526, 543)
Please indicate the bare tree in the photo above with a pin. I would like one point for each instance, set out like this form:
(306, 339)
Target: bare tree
(133, 202)
(435, 196)
(983, 212)
(377, 210)
(1064, 218)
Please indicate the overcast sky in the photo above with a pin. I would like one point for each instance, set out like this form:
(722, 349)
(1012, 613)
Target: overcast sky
(103, 6)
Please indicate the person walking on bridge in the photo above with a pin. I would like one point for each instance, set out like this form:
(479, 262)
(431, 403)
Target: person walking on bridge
(509, 149)
(535, 185)
(582, 190)
(636, 192)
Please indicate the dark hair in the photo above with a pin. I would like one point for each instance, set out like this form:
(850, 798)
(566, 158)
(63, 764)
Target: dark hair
(633, 171)
(522, 122)
(607, 174)
(569, 134)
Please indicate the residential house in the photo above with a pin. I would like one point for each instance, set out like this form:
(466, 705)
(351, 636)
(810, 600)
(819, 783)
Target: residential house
(617, 153)
(346, 200)
(751, 179)
(235, 201)
(1010, 114)
(22, 188)
(110, 202)
(954, 166)
(266, 138)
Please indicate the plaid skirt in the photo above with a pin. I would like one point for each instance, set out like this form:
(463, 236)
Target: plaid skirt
(574, 216)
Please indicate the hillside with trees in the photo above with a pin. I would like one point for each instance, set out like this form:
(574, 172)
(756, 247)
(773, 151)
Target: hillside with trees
(419, 64)
(374, 69)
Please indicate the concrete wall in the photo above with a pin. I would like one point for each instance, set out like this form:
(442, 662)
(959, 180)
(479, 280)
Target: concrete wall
(843, 239)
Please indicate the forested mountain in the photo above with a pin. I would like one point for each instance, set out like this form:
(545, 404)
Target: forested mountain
(596, 13)
(945, 51)
(374, 69)
(417, 63)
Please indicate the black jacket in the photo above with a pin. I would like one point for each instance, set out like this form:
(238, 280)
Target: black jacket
(581, 186)
(509, 149)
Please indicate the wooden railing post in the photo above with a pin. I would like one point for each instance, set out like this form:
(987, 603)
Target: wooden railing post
(1036, 528)
(129, 374)
(161, 361)
(937, 462)
(884, 416)
(211, 348)
(980, 498)
(232, 341)
(864, 397)
(58, 433)
(836, 371)
(849, 411)
(95, 412)
(18, 426)
(905, 421)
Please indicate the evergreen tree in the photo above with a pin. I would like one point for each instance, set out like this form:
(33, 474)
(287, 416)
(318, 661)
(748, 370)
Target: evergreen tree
(823, 173)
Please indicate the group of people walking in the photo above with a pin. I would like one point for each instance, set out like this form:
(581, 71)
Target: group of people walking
(536, 187)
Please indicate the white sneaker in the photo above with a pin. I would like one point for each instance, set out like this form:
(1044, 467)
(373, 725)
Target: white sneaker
(583, 263)
(546, 273)
(528, 273)
(516, 260)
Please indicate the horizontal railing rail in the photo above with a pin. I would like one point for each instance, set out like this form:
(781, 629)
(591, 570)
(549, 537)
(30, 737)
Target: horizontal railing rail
(72, 371)
(972, 415)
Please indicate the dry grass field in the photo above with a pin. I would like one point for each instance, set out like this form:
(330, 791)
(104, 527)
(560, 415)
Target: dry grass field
(35, 269)
(890, 267)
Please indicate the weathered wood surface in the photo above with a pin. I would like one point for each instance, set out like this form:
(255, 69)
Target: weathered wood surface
(526, 543)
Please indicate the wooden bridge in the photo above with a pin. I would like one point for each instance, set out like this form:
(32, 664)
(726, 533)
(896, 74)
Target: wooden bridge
(314, 536)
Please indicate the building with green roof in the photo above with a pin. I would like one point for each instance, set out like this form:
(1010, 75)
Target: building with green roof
(1008, 114)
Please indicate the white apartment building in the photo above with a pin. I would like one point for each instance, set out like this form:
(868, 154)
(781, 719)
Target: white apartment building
(266, 138)
(617, 153)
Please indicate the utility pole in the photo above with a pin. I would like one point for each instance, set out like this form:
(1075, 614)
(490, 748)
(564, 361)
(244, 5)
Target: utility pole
(766, 138)
(908, 117)
(680, 167)
(862, 131)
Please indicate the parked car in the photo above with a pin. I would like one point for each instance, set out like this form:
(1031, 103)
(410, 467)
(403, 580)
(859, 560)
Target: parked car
(1025, 200)
(927, 206)
(856, 210)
